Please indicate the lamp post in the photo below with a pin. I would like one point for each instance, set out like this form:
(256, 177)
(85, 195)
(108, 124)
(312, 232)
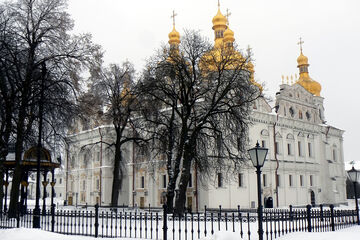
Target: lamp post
(257, 156)
(36, 211)
(354, 176)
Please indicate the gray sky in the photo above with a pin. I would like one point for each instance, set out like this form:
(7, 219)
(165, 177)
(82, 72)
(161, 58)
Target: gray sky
(134, 29)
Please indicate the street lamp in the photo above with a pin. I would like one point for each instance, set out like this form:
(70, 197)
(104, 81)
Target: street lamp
(354, 176)
(257, 156)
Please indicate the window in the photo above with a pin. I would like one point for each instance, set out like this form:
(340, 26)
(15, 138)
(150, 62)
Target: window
(289, 149)
(190, 185)
(291, 183)
(98, 156)
(98, 184)
(264, 180)
(277, 148)
(219, 143)
(220, 180)
(291, 111)
(164, 181)
(60, 180)
(310, 150)
(241, 180)
(301, 180)
(311, 180)
(308, 116)
(334, 154)
(82, 197)
(300, 114)
(142, 182)
(278, 180)
(300, 149)
(84, 185)
(263, 143)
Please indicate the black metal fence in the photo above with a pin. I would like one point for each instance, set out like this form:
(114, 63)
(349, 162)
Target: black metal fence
(134, 223)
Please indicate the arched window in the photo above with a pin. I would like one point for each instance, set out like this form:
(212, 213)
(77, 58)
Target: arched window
(291, 111)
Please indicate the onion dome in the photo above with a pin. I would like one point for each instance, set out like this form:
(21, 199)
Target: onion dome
(219, 27)
(219, 21)
(229, 36)
(302, 60)
(305, 80)
(174, 37)
(250, 67)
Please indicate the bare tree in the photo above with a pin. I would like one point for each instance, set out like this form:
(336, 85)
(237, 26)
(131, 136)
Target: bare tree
(7, 94)
(40, 29)
(205, 95)
(115, 87)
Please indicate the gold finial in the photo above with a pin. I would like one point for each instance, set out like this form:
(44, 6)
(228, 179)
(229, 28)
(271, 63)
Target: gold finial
(282, 79)
(300, 43)
(227, 15)
(173, 17)
(291, 77)
(287, 80)
(219, 4)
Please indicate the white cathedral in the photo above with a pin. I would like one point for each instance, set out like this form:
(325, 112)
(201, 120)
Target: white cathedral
(304, 165)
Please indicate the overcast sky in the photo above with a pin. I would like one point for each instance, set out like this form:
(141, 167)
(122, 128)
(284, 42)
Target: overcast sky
(133, 30)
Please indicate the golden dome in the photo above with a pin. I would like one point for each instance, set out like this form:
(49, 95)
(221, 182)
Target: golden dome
(250, 67)
(174, 37)
(305, 80)
(302, 60)
(219, 20)
(229, 35)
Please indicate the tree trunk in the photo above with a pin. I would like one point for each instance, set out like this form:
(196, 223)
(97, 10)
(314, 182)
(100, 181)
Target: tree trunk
(14, 193)
(118, 176)
(173, 176)
(184, 179)
(173, 172)
(1, 184)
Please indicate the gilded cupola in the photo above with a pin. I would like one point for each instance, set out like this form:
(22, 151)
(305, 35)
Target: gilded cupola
(174, 36)
(304, 79)
(228, 34)
(219, 27)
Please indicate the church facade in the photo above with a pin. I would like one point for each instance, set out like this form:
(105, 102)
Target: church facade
(304, 165)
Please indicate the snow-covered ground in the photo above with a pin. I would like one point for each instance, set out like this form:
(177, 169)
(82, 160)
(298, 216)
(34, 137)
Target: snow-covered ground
(351, 233)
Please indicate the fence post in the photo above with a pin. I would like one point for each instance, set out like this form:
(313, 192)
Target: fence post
(96, 220)
(332, 217)
(53, 217)
(291, 212)
(17, 218)
(165, 222)
(308, 211)
(321, 212)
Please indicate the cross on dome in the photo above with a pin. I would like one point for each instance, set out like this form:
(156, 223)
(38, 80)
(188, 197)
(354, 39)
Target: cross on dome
(173, 17)
(300, 43)
(227, 15)
(248, 50)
